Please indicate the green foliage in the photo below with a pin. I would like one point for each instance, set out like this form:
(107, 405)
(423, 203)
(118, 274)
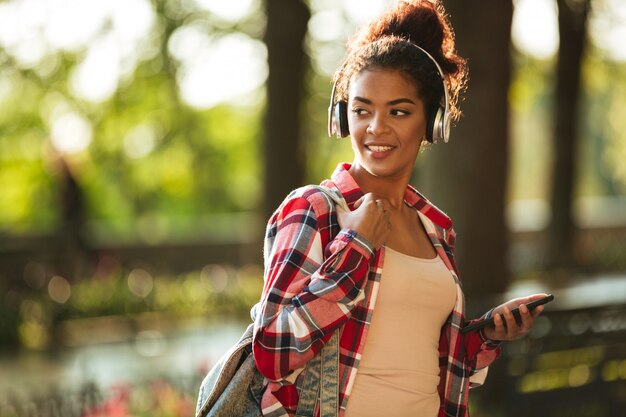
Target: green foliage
(150, 153)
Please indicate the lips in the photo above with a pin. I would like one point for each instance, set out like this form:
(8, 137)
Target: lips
(379, 148)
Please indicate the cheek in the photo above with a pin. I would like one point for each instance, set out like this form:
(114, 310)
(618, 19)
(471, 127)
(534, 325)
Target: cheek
(420, 128)
(354, 125)
(413, 132)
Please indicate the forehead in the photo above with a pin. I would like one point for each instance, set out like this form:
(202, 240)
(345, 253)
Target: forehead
(381, 84)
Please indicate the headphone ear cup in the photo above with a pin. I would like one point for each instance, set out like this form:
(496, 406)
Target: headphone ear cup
(340, 118)
(432, 128)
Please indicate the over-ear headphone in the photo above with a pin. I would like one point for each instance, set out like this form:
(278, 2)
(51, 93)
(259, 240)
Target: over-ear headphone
(437, 127)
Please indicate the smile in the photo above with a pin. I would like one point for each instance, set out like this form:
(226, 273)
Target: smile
(379, 148)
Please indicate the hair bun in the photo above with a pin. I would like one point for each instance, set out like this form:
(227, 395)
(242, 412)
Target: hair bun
(421, 22)
(425, 24)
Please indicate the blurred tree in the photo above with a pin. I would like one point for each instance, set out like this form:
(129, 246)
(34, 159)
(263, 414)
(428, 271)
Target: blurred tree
(468, 178)
(288, 65)
(150, 153)
(71, 247)
(151, 165)
(572, 34)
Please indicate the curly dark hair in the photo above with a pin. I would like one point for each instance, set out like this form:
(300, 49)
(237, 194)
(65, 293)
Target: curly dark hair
(389, 42)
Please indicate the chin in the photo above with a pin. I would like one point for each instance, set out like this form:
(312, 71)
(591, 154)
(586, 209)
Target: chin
(381, 170)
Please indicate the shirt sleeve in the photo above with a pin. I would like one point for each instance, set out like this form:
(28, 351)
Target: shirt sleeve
(309, 291)
(481, 351)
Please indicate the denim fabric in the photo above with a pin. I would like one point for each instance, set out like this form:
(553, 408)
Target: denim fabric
(233, 387)
(321, 382)
(329, 381)
(242, 396)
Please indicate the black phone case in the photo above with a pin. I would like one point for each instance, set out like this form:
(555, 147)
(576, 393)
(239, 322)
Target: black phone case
(482, 323)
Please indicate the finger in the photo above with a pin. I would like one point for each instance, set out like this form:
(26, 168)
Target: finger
(519, 316)
(536, 312)
(499, 326)
(370, 199)
(527, 319)
(530, 298)
(358, 203)
(511, 324)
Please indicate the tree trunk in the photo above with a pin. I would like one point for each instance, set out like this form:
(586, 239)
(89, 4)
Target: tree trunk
(468, 177)
(470, 174)
(561, 230)
(284, 160)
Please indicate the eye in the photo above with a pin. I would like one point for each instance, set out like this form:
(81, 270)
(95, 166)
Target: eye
(399, 112)
(359, 111)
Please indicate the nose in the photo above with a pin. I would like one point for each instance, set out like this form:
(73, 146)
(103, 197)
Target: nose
(377, 125)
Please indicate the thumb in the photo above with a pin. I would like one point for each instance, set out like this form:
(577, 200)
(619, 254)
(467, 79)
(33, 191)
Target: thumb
(358, 203)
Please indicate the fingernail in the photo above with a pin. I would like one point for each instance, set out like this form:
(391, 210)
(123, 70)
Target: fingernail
(523, 308)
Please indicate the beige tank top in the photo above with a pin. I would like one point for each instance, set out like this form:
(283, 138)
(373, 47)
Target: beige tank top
(399, 369)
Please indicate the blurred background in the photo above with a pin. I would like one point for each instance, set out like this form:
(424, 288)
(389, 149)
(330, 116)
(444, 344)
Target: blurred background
(144, 143)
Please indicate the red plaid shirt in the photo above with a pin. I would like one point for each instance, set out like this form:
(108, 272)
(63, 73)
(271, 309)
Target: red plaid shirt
(319, 279)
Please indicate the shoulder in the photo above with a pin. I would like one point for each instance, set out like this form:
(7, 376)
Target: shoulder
(312, 201)
(306, 208)
(320, 198)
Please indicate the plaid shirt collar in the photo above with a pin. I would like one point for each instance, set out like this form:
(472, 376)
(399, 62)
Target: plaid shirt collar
(351, 191)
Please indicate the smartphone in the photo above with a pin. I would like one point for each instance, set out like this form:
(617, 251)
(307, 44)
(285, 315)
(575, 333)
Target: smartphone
(482, 323)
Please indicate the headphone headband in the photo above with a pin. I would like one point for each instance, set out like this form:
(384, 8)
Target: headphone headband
(439, 126)
(445, 122)
(331, 125)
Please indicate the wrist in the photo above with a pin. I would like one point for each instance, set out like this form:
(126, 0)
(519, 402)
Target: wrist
(487, 334)
(488, 338)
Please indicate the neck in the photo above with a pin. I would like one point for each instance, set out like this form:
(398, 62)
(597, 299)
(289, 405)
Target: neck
(390, 188)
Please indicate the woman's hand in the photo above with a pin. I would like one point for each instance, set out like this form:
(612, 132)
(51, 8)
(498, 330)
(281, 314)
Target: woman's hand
(369, 219)
(508, 328)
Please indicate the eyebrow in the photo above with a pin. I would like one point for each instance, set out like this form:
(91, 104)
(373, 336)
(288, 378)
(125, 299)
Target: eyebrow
(391, 103)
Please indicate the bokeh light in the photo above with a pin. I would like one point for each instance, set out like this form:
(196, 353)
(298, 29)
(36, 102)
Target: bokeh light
(59, 289)
(229, 68)
(71, 133)
(140, 282)
(535, 28)
(231, 11)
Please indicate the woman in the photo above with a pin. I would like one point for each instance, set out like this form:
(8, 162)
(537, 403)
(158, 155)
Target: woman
(381, 273)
